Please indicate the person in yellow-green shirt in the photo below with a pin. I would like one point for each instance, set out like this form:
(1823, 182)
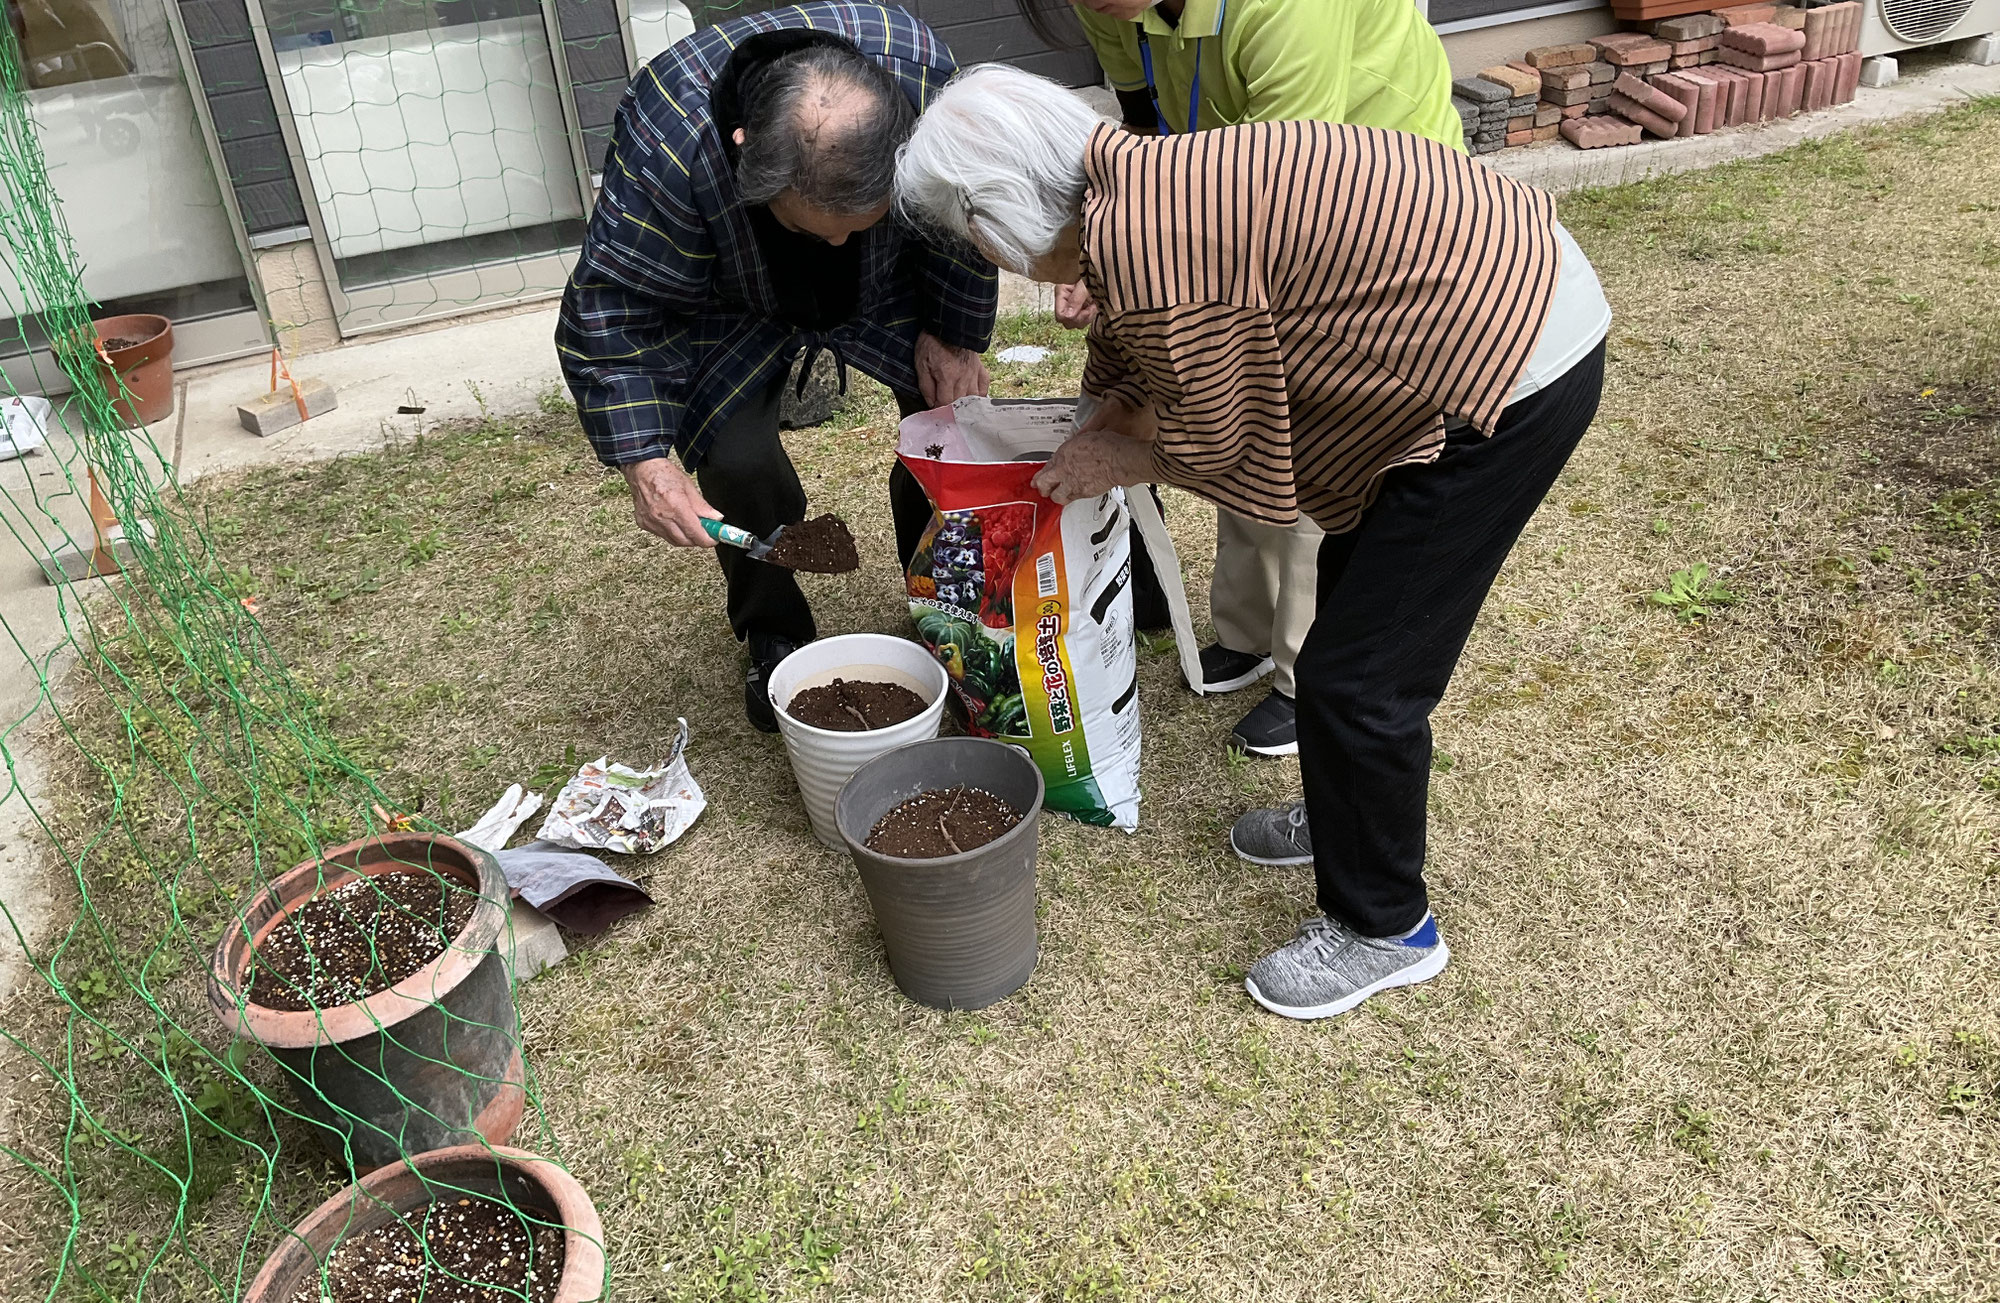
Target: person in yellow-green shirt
(1177, 64)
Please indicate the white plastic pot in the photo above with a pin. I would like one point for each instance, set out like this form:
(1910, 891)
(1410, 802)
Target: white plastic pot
(822, 759)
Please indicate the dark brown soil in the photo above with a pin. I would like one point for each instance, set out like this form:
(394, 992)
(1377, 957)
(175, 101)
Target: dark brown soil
(438, 1255)
(855, 705)
(358, 939)
(933, 824)
(117, 342)
(822, 546)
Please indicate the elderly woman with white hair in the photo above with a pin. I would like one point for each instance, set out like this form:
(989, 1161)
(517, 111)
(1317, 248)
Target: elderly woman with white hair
(1357, 324)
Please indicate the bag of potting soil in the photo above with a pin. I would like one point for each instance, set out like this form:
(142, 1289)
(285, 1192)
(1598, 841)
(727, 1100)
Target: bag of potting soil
(1027, 604)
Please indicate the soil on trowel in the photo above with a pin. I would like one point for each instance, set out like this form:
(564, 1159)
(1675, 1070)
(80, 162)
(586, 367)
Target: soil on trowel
(362, 937)
(462, 1249)
(855, 705)
(947, 822)
(821, 546)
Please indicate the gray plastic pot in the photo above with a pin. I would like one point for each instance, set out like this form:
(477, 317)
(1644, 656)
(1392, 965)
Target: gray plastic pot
(960, 929)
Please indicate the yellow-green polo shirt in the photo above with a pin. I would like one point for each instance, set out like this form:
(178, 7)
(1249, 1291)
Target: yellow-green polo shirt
(1372, 63)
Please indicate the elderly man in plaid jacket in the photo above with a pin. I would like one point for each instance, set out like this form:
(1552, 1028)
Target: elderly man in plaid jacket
(741, 224)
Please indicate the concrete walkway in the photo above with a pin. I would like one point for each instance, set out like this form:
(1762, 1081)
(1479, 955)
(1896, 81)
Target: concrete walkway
(502, 363)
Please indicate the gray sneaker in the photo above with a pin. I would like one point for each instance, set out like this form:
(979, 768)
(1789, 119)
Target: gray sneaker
(1273, 837)
(1328, 969)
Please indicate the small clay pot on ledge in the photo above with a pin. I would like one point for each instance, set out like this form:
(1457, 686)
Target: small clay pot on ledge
(135, 360)
(430, 1062)
(534, 1186)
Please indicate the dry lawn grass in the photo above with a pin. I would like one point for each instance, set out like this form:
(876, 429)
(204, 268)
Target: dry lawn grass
(1723, 894)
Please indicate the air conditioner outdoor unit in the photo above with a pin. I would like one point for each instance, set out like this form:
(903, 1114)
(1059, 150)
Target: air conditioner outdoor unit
(1891, 25)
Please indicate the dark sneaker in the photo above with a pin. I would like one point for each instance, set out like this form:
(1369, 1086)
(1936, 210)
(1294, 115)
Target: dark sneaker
(1328, 968)
(1223, 670)
(765, 653)
(1270, 729)
(1273, 837)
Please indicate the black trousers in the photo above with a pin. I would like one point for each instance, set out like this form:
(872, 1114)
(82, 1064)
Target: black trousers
(1398, 595)
(749, 477)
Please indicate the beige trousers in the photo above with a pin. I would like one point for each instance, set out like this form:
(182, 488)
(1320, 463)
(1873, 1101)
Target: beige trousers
(1265, 590)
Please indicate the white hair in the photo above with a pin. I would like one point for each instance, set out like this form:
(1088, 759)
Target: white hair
(997, 159)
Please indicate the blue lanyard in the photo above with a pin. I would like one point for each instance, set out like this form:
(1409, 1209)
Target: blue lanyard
(1194, 90)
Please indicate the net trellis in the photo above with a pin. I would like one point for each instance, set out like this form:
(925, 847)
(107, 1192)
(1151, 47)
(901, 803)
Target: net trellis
(157, 1146)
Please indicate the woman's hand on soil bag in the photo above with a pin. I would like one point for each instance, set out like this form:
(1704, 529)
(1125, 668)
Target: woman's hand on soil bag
(947, 374)
(666, 502)
(1086, 465)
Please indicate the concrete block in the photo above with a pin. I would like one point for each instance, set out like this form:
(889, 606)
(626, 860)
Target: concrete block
(1688, 27)
(1689, 96)
(1565, 98)
(1847, 79)
(1633, 111)
(1521, 137)
(1638, 56)
(1598, 133)
(531, 942)
(1547, 133)
(1707, 57)
(1651, 98)
(1526, 122)
(1741, 15)
(1548, 114)
(1597, 108)
(1680, 61)
(1878, 71)
(1982, 50)
(1832, 29)
(1763, 38)
(1599, 92)
(1564, 79)
(1695, 46)
(1480, 91)
(1652, 69)
(68, 563)
(1602, 73)
(1758, 62)
(1792, 16)
(1574, 111)
(1517, 82)
(1560, 56)
(279, 410)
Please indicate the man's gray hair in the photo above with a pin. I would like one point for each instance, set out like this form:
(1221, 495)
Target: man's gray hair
(997, 159)
(847, 169)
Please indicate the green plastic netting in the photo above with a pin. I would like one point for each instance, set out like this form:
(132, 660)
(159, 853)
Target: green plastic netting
(166, 769)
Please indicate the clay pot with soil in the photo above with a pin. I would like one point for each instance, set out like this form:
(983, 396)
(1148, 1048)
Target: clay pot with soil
(138, 350)
(843, 701)
(373, 976)
(518, 1223)
(943, 834)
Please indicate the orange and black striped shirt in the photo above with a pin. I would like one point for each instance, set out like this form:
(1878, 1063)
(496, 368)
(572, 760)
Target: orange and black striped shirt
(1305, 303)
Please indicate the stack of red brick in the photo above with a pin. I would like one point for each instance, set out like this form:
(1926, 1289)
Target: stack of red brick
(1682, 76)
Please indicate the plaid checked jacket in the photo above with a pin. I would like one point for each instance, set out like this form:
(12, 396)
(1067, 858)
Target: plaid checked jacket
(669, 320)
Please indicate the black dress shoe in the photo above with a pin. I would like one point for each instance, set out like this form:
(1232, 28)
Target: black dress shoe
(765, 654)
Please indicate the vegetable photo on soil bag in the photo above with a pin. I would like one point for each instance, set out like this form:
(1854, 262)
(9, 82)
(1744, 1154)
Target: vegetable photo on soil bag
(1028, 604)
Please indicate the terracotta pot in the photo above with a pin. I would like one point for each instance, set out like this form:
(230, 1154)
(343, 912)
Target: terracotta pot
(534, 1185)
(145, 367)
(434, 1060)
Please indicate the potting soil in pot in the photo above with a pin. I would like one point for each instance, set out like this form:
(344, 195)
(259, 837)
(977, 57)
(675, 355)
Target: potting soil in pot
(362, 937)
(822, 545)
(114, 344)
(438, 1254)
(855, 705)
(947, 822)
